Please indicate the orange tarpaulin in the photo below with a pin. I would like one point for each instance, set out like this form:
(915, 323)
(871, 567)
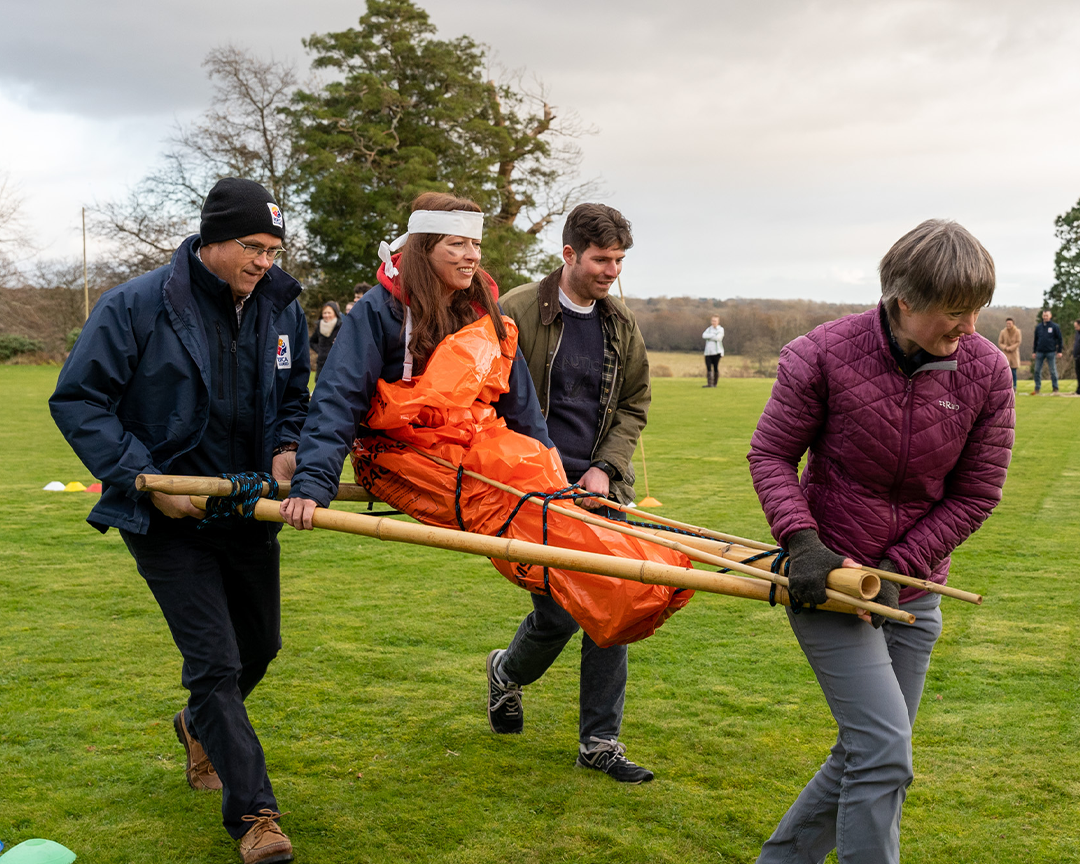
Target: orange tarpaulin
(447, 412)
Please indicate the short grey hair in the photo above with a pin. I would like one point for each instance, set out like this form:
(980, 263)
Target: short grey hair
(937, 265)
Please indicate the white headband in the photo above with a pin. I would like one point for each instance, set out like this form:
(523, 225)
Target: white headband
(462, 223)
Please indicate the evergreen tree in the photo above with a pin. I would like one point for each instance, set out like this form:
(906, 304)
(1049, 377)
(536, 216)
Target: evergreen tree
(406, 113)
(1063, 297)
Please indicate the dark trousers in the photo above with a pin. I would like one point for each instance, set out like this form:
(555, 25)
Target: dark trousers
(602, 686)
(712, 368)
(219, 589)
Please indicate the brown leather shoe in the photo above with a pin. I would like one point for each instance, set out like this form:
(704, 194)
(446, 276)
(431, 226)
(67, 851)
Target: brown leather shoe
(264, 842)
(200, 773)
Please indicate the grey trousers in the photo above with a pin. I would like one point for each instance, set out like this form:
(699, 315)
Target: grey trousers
(873, 681)
(602, 688)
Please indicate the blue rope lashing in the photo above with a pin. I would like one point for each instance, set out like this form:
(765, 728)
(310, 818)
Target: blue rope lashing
(565, 494)
(758, 557)
(247, 490)
(782, 560)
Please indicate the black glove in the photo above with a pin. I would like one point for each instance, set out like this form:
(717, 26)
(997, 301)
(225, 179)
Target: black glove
(889, 595)
(811, 561)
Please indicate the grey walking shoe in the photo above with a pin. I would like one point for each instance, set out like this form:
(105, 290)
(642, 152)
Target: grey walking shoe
(505, 714)
(607, 756)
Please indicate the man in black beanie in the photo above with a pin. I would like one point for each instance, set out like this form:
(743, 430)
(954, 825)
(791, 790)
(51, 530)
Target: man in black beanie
(201, 367)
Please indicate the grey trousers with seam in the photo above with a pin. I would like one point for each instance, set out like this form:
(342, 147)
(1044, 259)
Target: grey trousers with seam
(873, 681)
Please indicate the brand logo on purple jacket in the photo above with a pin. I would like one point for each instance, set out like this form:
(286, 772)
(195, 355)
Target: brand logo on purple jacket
(948, 405)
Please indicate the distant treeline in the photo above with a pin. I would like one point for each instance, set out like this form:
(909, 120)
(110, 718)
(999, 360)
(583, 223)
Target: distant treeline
(757, 329)
(760, 328)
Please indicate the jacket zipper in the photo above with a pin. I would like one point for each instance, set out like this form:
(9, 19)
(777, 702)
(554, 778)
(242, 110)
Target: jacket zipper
(234, 379)
(905, 449)
(220, 362)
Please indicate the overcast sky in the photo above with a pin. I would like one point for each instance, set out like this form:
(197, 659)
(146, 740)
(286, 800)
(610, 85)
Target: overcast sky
(769, 149)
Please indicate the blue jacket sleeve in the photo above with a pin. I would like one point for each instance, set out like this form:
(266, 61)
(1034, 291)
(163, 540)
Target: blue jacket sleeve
(91, 385)
(340, 404)
(519, 407)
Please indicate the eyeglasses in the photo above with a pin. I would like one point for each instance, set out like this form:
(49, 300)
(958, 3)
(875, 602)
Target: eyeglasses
(259, 251)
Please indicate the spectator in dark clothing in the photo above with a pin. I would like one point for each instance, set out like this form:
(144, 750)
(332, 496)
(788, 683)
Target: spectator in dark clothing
(1048, 346)
(322, 340)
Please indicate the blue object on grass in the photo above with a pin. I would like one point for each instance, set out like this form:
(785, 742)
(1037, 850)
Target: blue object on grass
(39, 852)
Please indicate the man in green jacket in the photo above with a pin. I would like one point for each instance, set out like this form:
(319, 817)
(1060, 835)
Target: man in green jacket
(591, 372)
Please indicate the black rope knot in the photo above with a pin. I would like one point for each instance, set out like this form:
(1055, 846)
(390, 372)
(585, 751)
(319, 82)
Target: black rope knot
(247, 490)
(565, 494)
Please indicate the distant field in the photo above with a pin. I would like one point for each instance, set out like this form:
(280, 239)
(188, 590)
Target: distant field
(373, 714)
(678, 364)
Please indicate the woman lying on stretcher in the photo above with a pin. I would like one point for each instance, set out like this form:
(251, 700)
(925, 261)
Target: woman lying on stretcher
(425, 364)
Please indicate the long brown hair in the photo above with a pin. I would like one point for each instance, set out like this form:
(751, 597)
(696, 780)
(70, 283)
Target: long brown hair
(433, 318)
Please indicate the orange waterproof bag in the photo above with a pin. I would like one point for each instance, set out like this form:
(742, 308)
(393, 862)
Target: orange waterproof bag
(447, 412)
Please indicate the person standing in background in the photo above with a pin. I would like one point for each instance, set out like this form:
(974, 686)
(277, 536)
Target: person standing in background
(322, 340)
(1009, 342)
(714, 350)
(1048, 346)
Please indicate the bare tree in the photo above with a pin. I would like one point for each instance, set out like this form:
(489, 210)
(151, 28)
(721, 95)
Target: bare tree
(540, 158)
(243, 134)
(12, 229)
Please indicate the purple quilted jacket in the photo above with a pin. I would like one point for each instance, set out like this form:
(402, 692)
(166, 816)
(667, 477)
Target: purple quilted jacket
(904, 468)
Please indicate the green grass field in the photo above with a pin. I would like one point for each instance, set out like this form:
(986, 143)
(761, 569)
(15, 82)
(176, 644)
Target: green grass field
(373, 715)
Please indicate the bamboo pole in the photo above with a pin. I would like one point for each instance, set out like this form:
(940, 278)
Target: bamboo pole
(934, 587)
(645, 572)
(176, 484)
(853, 583)
(489, 547)
(719, 548)
(685, 526)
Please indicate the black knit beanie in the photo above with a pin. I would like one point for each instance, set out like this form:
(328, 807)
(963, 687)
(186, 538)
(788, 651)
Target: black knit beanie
(236, 208)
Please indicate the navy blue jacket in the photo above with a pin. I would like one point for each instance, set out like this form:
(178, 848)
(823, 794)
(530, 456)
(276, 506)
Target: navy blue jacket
(1047, 338)
(370, 346)
(135, 392)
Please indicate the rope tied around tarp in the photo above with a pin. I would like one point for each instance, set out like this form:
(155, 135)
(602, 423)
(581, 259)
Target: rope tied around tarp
(567, 493)
(247, 490)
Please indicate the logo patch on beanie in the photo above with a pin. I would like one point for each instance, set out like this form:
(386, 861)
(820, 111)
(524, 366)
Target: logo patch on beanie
(284, 355)
(275, 215)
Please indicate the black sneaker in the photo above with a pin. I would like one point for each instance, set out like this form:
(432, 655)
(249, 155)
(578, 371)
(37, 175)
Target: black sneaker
(505, 714)
(608, 757)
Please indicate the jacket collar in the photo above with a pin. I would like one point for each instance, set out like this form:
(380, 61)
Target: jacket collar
(920, 361)
(277, 286)
(547, 293)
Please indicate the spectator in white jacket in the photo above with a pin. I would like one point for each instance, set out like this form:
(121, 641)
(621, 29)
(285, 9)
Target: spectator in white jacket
(714, 350)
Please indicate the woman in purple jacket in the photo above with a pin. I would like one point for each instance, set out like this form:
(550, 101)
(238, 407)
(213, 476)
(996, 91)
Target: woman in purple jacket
(907, 414)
